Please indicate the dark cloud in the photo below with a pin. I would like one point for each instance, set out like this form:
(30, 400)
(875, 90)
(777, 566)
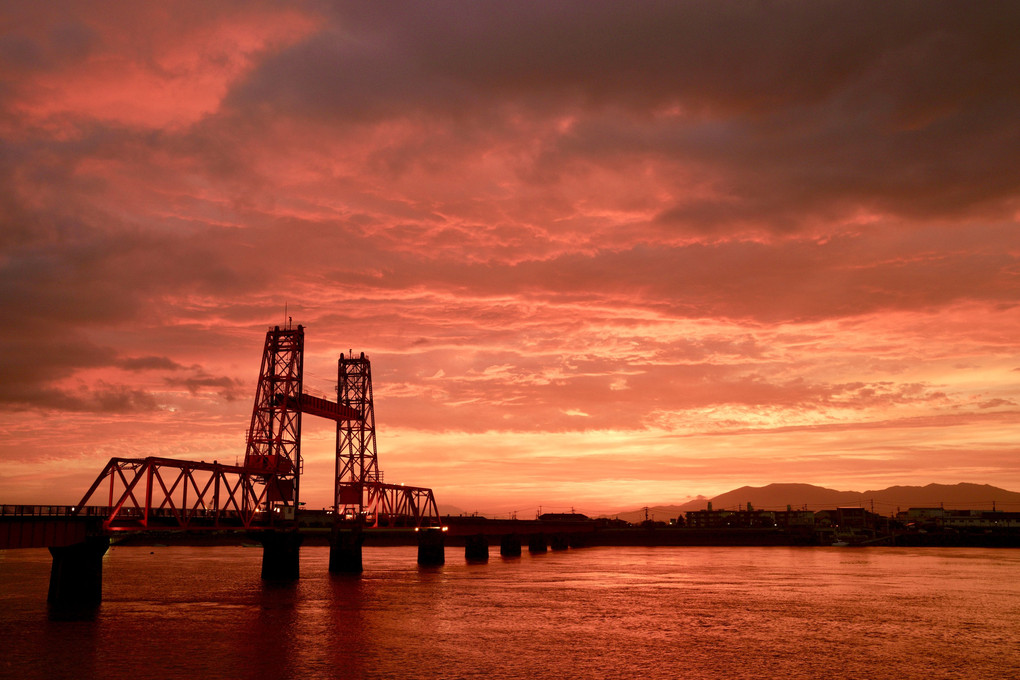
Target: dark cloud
(724, 56)
(101, 399)
(228, 388)
(39, 355)
(150, 363)
(794, 113)
(996, 403)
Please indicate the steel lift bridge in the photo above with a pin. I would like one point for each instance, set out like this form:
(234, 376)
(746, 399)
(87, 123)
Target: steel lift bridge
(262, 495)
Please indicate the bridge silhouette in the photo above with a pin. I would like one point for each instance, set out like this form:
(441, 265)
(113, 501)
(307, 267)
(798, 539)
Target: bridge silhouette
(260, 497)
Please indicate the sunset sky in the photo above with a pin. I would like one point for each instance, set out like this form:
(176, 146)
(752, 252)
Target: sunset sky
(601, 254)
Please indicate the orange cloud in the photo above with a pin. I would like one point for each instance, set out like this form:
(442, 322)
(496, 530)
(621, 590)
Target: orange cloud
(632, 256)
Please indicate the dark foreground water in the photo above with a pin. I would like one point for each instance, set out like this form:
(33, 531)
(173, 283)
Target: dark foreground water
(698, 613)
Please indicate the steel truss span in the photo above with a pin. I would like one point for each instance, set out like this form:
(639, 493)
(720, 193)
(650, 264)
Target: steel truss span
(399, 505)
(264, 492)
(162, 493)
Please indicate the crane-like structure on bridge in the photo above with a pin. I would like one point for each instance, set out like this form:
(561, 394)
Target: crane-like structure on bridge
(264, 492)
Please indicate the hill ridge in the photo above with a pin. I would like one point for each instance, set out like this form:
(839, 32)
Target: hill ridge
(800, 495)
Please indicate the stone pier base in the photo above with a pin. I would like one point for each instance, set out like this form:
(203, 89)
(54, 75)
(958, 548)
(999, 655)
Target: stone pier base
(536, 543)
(578, 540)
(431, 547)
(76, 577)
(476, 548)
(558, 542)
(510, 545)
(345, 551)
(280, 555)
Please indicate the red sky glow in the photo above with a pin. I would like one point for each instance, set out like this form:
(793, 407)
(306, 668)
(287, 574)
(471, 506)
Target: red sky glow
(600, 254)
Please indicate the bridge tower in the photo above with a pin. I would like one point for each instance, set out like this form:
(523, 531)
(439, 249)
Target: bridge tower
(357, 458)
(274, 436)
(361, 497)
(360, 493)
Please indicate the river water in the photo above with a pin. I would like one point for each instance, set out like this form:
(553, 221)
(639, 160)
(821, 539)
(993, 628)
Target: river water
(664, 612)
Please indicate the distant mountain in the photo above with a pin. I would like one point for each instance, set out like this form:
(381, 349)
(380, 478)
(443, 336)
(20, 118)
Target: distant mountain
(660, 513)
(453, 510)
(884, 501)
(778, 496)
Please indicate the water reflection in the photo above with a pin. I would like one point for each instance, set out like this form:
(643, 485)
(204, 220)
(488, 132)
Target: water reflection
(344, 620)
(596, 612)
(269, 631)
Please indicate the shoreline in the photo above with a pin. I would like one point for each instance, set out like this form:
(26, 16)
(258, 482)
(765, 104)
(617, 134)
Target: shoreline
(586, 537)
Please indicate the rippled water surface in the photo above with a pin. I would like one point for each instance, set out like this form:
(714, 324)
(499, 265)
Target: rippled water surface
(667, 612)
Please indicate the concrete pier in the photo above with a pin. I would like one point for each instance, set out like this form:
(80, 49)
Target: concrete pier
(476, 548)
(76, 577)
(510, 545)
(431, 547)
(536, 543)
(280, 555)
(578, 540)
(345, 551)
(558, 542)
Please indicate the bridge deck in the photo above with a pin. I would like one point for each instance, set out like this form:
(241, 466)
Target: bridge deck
(44, 526)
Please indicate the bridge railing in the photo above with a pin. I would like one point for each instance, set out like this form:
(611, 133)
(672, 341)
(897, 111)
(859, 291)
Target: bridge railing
(131, 518)
(389, 504)
(12, 510)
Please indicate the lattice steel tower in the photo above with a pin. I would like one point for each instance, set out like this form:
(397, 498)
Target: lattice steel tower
(361, 494)
(357, 459)
(274, 437)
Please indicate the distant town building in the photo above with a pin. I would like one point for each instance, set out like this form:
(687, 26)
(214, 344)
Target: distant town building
(851, 517)
(915, 514)
(731, 519)
(940, 518)
(563, 517)
(981, 519)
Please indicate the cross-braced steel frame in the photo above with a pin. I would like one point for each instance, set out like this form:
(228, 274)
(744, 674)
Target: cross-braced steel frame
(357, 460)
(274, 437)
(162, 493)
(360, 492)
(399, 505)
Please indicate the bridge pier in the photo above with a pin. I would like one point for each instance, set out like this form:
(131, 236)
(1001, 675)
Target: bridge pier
(431, 547)
(345, 551)
(476, 548)
(558, 542)
(536, 543)
(510, 545)
(280, 555)
(76, 577)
